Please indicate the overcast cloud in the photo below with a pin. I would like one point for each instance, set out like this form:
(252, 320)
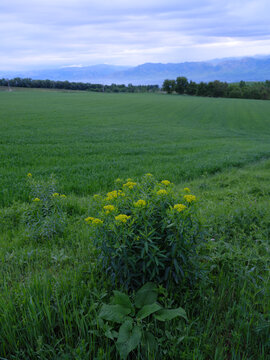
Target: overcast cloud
(54, 33)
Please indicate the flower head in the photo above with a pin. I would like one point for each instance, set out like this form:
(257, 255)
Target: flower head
(120, 193)
(112, 195)
(165, 182)
(130, 184)
(179, 207)
(162, 192)
(55, 194)
(108, 208)
(29, 175)
(36, 199)
(186, 189)
(94, 221)
(140, 203)
(148, 174)
(97, 221)
(122, 218)
(63, 196)
(190, 198)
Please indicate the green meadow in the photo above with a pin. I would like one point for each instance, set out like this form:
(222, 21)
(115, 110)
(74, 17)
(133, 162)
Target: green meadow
(89, 139)
(51, 290)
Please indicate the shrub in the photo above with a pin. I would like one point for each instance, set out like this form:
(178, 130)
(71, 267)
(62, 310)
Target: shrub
(146, 231)
(45, 218)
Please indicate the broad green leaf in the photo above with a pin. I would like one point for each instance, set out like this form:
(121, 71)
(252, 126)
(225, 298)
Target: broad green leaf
(128, 339)
(122, 299)
(109, 334)
(148, 310)
(169, 314)
(146, 295)
(115, 313)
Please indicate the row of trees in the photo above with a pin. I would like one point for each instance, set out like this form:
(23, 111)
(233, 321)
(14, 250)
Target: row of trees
(51, 84)
(251, 90)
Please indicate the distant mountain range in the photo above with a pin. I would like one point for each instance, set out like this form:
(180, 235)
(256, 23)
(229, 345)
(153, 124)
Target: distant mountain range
(230, 70)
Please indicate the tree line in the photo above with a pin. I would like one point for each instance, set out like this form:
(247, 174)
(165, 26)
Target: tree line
(244, 90)
(51, 84)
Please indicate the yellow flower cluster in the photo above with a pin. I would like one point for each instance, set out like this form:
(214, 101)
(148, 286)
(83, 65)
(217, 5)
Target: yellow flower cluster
(93, 220)
(36, 199)
(108, 208)
(187, 189)
(165, 182)
(122, 218)
(179, 207)
(60, 195)
(148, 174)
(118, 180)
(140, 203)
(114, 194)
(111, 195)
(189, 198)
(29, 175)
(97, 222)
(162, 192)
(130, 184)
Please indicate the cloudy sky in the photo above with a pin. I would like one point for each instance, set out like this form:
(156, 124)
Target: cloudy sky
(55, 33)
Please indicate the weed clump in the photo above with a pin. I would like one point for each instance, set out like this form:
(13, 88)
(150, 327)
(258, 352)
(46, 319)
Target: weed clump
(45, 218)
(146, 231)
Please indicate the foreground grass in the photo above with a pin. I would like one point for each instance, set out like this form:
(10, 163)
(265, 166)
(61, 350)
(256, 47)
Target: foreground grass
(50, 292)
(89, 139)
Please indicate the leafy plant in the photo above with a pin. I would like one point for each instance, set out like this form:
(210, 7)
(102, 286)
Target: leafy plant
(46, 217)
(146, 231)
(134, 322)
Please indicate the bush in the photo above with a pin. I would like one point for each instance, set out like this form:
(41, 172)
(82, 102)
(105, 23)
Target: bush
(145, 231)
(45, 218)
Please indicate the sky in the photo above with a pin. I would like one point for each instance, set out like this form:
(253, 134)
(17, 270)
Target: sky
(42, 34)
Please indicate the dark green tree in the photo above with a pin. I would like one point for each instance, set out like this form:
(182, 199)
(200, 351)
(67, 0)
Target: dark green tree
(181, 85)
(192, 88)
(168, 86)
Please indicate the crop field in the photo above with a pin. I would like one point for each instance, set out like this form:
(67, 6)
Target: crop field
(89, 139)
(53, 287)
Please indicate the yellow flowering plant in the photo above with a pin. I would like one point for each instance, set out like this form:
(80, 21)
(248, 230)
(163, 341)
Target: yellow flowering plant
(149, 234)
(45, 217)
(109, 208)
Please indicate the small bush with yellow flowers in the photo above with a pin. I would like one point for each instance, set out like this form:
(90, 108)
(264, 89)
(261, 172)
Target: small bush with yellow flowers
(146, 231)
(45, 218)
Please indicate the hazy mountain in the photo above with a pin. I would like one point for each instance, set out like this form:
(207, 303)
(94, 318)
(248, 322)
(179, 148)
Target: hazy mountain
(255, 68)
(230, 70)
(70, 73)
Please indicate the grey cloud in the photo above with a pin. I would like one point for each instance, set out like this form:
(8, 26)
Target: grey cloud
(66, 32)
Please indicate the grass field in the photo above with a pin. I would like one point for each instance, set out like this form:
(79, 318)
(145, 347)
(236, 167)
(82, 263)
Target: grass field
(89, 139)
(50, 291)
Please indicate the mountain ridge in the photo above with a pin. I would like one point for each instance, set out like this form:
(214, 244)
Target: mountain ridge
(255, 68)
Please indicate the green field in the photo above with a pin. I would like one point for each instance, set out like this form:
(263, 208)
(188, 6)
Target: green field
(89, 139)
(50, 291)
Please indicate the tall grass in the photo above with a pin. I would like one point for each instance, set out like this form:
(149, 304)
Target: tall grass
(51, 292)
